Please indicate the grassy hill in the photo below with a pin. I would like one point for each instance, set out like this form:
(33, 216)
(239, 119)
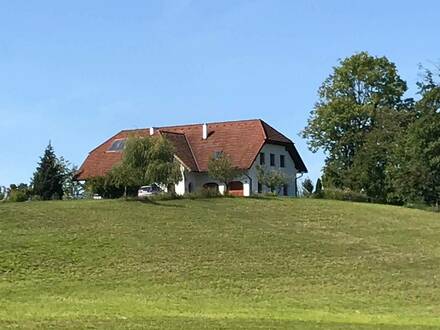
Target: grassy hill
(219, 263)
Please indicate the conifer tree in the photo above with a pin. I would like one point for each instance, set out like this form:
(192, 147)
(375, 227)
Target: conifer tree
(318, 187)
(307, 186)
(48, 179)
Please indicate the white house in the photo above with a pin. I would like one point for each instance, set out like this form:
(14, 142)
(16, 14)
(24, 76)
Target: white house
(248, 143)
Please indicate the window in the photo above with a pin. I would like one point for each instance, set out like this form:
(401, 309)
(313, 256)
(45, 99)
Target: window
(217, 154)
(260, 188)
(190, 187)
(272, 159)
(262, 160)
(117, 145)
(282, 158)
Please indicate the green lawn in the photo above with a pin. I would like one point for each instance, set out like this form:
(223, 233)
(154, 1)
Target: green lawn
(218, 263)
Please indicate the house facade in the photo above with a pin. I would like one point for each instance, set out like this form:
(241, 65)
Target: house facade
(248, 143)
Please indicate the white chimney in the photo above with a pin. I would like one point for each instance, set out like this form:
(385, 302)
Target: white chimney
(205, 131)
(151, 130)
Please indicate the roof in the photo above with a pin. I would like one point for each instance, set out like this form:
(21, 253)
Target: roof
(240, 140)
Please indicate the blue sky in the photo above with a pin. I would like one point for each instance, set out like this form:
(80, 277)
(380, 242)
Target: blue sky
(77, 72)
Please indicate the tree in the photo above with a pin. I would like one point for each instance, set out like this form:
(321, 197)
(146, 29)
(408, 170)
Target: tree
(71, 187)
(220, 168)
(47, 182)
(369, 170)
(318, 187)
(273, 179)
(415, 170)
(350, 102)
(307, 186)
(147, 160)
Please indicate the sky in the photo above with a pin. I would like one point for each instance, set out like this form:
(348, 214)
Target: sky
(77, 72)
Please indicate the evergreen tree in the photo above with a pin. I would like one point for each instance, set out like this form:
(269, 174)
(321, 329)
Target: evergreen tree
(47, 182)
(318, 187)
(307, 186)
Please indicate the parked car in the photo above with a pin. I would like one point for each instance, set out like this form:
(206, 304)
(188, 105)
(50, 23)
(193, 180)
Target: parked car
(149, 190)
(96, 196)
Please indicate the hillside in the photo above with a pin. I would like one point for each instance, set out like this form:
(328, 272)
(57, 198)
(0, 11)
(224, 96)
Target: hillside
(219, 263)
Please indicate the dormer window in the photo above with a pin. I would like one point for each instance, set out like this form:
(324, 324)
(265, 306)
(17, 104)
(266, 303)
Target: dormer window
(117, 145)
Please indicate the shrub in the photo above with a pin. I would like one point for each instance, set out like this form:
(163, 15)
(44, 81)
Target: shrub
(344, 195)
(104, 187)
(204, 193)
(18, 196)
(167, 196)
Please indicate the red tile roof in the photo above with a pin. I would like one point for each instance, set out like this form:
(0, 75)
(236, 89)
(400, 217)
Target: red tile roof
(241, 140)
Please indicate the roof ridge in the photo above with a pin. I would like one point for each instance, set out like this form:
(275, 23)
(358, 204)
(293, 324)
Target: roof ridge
(193, 124)
(169, 132)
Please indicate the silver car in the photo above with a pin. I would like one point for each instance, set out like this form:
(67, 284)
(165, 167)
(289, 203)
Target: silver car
(149, 190)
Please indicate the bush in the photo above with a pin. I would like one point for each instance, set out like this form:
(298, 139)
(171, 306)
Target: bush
(106, 189)
(204, 193)
(422, 206)
(18, 196)
(166, 196)
(344, 195)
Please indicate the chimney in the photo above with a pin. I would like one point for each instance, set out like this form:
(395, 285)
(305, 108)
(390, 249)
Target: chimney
(205, 131)
(151, 130)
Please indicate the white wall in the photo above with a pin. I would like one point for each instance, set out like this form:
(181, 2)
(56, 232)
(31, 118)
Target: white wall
(180, 187)
(289, 168)
(250, 186)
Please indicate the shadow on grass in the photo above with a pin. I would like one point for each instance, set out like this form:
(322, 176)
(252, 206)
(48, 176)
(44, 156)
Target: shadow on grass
(154, 202)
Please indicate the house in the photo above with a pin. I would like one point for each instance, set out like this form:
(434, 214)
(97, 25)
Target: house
(248, 143)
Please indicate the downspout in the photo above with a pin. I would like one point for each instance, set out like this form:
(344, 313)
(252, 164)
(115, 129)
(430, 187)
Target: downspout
(296, 183)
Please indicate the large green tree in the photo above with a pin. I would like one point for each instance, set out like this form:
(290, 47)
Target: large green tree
(362, 92)
(415, 171)
(47, 182)
(147, 160)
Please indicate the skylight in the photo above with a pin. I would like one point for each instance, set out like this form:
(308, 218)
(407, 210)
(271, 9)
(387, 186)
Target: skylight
(117, 145)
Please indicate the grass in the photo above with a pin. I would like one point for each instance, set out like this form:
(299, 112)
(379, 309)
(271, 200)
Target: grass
(218, 263)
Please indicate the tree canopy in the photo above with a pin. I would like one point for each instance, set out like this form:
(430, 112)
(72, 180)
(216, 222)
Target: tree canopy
(355, 120)
(415, 171)
(221, 169)
(147, 160)
(273, 179)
